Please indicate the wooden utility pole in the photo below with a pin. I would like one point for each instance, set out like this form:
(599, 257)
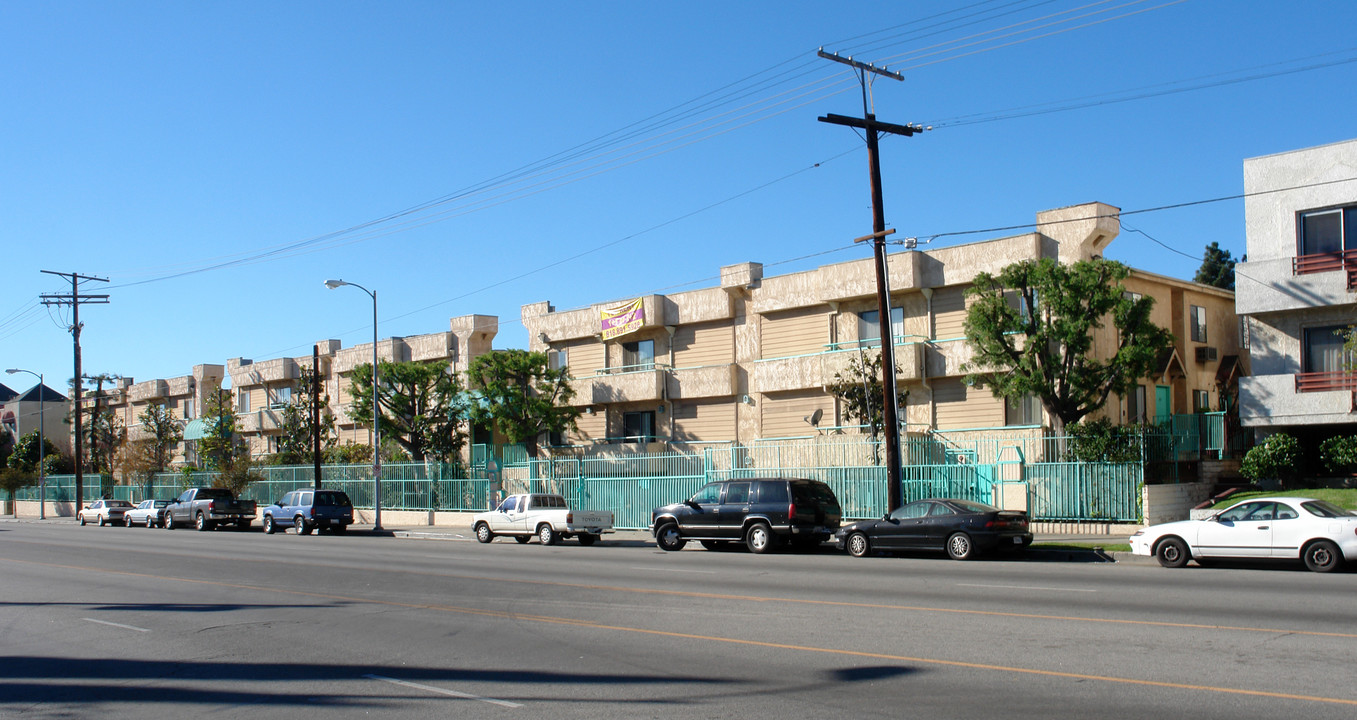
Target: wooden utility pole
(75, 300)
(873, 127)
(315, 411)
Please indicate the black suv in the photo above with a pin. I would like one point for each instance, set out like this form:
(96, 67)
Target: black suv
(761, 512)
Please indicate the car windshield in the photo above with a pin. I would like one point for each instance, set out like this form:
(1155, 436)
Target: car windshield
(1325, 509)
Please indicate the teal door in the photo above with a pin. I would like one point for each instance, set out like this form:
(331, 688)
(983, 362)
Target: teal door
(1163, 409)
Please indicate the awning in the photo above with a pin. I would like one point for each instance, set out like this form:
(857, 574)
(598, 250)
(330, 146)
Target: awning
(1170, 364)
(195, 429)
(1228, 371)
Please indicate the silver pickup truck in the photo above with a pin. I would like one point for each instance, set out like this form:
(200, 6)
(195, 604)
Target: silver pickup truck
(205, 508)
(546, 516)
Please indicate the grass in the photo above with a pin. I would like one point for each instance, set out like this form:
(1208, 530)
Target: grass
(1342, 497)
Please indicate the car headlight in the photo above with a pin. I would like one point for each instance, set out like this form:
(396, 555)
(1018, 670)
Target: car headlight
(1137, 533)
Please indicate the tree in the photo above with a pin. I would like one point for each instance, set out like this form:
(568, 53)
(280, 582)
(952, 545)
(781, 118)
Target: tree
(296, 431)
(104, 432)
(1048, 352)
(859, 387)
(220, 443)
(1217, 268)
(1350, 349)
(522, 395)
(162, 432)
(422, 407)
(25, 456)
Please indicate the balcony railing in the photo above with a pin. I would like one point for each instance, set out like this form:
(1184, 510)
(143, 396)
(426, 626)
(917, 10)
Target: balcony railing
(1328, 262)
(1325, 381)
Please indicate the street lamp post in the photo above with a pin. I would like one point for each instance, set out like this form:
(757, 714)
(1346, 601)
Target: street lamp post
(376, 410)
(42, 442)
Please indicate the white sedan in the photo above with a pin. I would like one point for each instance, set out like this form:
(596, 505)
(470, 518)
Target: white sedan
(1321, 534)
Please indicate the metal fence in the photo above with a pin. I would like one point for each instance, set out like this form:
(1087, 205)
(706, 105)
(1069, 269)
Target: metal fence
(975, 465)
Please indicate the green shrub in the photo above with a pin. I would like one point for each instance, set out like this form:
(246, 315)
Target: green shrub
(1339, 454)
(1101, 441)
(1278, 458)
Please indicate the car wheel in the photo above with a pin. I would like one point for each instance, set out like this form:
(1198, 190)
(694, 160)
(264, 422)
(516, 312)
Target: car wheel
(150, 522)
(483, 534)
(1172, 553)
(587, 539)
(169, 521)
(201, 523)
(546, 534)
(127, 521)
(299, 524)
(669, 538)
(1323, 556)
(859, 545)
(268, 525)
(759, 539)
(81, 518)
(101, 521)
(960, 547)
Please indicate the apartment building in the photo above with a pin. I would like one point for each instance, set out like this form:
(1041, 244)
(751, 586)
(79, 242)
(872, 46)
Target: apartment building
(184, 395)
(1296, 292)
(21, 412)
(263, 388)
(752, 358)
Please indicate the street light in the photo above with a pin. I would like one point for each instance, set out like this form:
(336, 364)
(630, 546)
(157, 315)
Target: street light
(42, 442)
(376, 410)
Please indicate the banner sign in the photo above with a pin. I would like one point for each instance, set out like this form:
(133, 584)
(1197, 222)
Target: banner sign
(623, 319)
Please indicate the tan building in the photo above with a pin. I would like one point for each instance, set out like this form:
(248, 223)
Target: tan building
(263, 388)
(752, 358)
(184, 395)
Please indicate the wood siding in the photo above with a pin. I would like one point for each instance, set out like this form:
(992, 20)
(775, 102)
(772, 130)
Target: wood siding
(949, 313)
(702, 345)
(585, 358)
(590, 427)
(704, 420)
(959, 406)
(799, 332)
(783, 414)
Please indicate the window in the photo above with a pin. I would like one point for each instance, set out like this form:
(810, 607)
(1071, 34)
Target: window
(1325, 231)
(638, 355)
(1135, 405)
(1023, 411)
(1198, 318)
(243, 402)
(284, 395)
(1017, 301)
(1244, 332)
(638, 427)
(557, 359)
(737, 493)
(1322, 350)
(708, 494)
(1201, 401)
(188, 409)
(869, 326)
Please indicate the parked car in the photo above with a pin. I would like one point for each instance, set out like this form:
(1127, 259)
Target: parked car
(542, 515)
(104, 512)
(963, 528)
(1321, 534)
(763, 513)
(207, 507)
(307, 510)
(150, 513)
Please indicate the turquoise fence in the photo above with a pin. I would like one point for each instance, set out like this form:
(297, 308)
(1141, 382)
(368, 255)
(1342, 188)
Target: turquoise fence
(954, 464)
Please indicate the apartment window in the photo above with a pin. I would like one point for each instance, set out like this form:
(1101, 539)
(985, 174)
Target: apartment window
(188, 409)
(1244, 332)
(869, 326)
(1198, 318)
(1325, 231)
(243, 402)
(284, 395)
(557, 359)
(1201, 401)
(1022, 411)
(638, 427)
(1322, 350)
(638, 355)
(1135, 405)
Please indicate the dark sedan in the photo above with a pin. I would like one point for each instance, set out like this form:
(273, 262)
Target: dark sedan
(962, 528)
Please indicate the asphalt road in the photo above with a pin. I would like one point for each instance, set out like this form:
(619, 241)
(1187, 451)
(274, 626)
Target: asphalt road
(120, 622)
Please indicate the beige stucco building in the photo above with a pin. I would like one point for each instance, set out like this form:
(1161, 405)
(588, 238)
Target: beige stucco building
(185, 395)
(752, 358)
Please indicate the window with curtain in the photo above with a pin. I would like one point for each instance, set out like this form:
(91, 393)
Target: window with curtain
(1322, 350)
(869, 326)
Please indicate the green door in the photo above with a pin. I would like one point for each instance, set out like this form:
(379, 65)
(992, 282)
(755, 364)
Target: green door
(1162, 405)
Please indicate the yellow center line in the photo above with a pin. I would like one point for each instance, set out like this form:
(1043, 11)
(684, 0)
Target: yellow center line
(732, 641)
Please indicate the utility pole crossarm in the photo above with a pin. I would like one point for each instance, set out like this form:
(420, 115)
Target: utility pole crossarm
(864, 67)
(871, 123)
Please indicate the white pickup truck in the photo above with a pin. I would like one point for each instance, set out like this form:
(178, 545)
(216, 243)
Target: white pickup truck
(543, 515)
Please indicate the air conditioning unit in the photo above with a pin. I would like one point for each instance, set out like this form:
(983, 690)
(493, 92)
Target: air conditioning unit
(1206, 354)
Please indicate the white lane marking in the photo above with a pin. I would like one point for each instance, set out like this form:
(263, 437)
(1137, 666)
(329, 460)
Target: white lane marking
(441, 691)
(699, 572)
(120, 625)
(1027, 587)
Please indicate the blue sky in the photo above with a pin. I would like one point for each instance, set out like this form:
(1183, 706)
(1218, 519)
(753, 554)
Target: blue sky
(591, 151)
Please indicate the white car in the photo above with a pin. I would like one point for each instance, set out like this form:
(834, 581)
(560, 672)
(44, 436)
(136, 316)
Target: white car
(1321, 534)
(104, 512)
(544, 516)
(150, 513)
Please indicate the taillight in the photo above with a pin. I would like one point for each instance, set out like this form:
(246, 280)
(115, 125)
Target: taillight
(791, 511)
(211, 506)
(569, 518)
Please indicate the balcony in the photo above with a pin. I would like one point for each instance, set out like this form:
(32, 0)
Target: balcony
(1328, 262)
(1295, 399)
(149, 390)
(702, 382)
(802, 372)
(1325, 381)
(639, 385)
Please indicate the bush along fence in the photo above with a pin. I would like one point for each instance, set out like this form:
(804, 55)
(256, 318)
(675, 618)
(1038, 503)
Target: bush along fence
(1016, 468)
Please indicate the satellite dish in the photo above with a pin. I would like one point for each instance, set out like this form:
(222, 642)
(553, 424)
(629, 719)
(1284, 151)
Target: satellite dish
(815, 417)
